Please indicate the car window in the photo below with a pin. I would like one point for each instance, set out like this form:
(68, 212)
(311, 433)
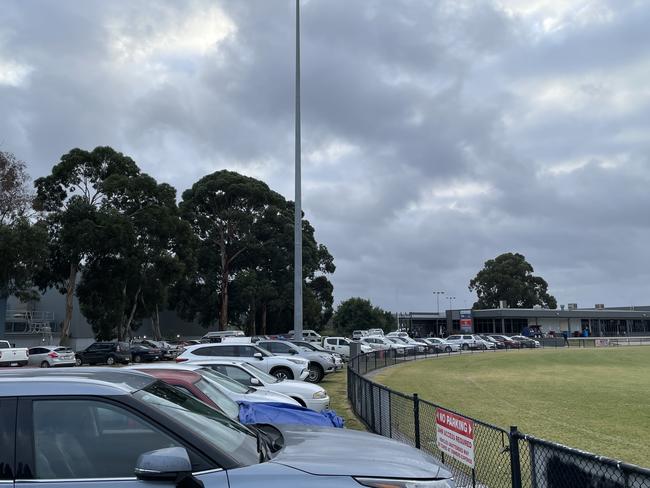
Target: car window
(238, 374)
(37, 350)
(244, 351)
(73, 439)
(453, 338)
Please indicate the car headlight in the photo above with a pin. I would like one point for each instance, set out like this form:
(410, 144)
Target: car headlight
(393, 483)
(325, 358)
(319, 395)
(297, 361)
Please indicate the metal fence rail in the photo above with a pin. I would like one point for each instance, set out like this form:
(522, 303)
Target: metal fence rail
(502, 458)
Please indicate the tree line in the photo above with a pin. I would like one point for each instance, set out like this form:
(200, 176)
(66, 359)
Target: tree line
(100, 229)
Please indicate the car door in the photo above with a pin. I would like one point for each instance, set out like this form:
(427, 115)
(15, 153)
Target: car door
(343, 347)
(331, 343)
(86, 442)
(95, 353)
(7, 440)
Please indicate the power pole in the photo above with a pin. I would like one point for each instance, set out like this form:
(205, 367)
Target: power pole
(297, 282)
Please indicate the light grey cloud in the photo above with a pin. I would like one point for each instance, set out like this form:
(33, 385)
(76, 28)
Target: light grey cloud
(437, 134)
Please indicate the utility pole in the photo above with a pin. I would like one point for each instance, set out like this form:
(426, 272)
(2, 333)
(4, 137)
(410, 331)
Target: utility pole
(297, 282)
(437, 294)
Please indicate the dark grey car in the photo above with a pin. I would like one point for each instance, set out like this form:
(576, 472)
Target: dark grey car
(92, 427)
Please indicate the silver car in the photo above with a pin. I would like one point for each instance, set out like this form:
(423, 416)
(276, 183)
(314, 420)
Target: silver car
(106, 427)
(51, 356)
(320, 363)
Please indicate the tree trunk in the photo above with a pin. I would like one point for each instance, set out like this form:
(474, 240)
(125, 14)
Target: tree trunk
(263, 331)
(155, 324)
(127, 328)
(120, 326)
(223, 312)
(69, 305)
(252, 315)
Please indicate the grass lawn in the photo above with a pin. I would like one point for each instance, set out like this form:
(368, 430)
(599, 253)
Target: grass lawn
(336, 386)
(597, 400)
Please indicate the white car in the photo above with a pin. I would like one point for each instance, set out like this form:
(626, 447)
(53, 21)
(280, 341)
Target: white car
(230, 388)
(443, 344)
(307, 394)
(381, 342)
(359, 334)
(51, 356)
(397, 334)
(375, 332)
(411, 342)
(283, 368)
(483, 344)
(465, 341)
(341, 345)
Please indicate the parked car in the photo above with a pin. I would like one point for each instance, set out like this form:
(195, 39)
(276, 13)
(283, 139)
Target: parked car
(443, 344)
(526, 341)
(308, 335)
(217, 336)
(280, 367)
(141, 353)
(341, 345)
(98, 427)
(408, 341)
(104, 353)
(359, 334)
(381, 342)
(228, 387)
(497, 344)
(167, 350)
(408, 348)
(465, 341)
(307, 394)
(483, 343)
(396, 333)
(320, 363)
(13, 356)
(312, 346)
(51, 356)
(375, 332)
(506, 341)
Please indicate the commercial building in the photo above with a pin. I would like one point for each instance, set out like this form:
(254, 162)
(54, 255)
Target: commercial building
(599, 320)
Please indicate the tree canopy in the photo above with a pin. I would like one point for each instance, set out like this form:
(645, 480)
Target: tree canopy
(510, 277)
(359, 314)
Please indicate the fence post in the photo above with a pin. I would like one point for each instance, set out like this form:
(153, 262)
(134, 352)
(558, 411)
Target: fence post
(372, 408)
(515, 464)
(416, 419)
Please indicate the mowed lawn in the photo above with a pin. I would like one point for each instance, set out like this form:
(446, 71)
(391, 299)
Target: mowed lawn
(596, 400)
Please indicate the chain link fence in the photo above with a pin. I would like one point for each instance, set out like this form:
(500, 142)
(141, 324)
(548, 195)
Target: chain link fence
(500, 458)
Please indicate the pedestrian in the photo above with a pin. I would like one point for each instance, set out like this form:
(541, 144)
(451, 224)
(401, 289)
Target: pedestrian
(565, 334)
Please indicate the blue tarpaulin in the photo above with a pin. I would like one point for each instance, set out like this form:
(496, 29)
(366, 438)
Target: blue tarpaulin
(283, 413)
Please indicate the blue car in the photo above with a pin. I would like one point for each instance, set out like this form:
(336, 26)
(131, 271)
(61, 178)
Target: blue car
(110, 428)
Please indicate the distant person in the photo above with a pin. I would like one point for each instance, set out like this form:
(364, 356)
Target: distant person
(585, 332)
(565, 334)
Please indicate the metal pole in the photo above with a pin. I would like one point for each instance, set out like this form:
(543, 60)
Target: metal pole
(297, 282)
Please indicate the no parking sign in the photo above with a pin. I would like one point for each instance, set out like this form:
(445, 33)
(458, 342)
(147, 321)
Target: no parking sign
(455, 436)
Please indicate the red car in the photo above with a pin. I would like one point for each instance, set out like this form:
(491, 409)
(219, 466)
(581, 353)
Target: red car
(194, 384)
(509, 343)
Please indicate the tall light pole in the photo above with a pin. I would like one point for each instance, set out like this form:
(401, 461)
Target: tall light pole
(437, 294)
(297, 266)
(451, 299)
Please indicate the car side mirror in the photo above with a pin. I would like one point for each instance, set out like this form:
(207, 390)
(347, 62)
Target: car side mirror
(258, 355)
(293, 352)
(170, 464)
(256, 382)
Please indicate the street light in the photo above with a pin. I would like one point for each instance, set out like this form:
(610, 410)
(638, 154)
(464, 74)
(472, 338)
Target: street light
(297, 265)
(437, 294)
(451, 299)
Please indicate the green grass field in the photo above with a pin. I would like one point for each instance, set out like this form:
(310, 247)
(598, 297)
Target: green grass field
(596, 400)
(336, 385)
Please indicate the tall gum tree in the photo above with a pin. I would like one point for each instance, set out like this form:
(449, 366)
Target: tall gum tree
(71, 197)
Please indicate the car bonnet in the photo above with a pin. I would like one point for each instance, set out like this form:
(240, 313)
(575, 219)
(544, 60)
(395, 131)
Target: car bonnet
(342, 452)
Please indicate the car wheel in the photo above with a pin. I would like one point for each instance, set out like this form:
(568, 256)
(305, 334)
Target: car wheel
(78, 361)
(110, 360)
(137, 359)
(282, 373)
(45, 364)
(300, 400)
(448, 349)
(316, 373)
(465, 347)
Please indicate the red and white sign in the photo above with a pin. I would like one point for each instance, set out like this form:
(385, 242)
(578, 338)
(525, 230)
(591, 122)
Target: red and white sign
(455, 436)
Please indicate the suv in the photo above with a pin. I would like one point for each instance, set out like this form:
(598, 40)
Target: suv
(280, 367)
(320, 363)
(341, 345)
(104, 353)
(466, 341)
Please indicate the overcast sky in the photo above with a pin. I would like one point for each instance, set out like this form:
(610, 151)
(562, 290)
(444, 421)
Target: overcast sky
(436, 134)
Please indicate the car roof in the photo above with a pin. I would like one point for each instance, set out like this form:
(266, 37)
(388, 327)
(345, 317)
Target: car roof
(73, 381)
(173, 375)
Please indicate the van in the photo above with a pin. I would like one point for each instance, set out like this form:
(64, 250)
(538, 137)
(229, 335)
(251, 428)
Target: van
(217, 336)
(375, 332)
(308, 335)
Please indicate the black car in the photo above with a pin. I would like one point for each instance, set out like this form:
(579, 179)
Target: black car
(104, 353)
(141, 353)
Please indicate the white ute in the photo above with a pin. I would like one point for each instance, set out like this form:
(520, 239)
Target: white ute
(13, 356)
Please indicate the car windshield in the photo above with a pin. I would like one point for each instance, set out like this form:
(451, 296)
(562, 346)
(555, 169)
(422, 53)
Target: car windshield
(229, 407)
(211, 425)
(254, 370)
(223, 381)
